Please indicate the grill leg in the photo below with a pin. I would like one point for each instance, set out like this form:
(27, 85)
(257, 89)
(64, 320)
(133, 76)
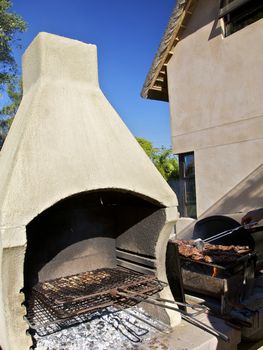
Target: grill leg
(173, 271)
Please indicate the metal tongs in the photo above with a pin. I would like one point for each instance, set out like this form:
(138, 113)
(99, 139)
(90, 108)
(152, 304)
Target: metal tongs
(189, 317)
(199, 242)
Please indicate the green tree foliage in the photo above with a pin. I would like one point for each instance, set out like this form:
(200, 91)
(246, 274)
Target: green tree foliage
(10, 25)
(147, 147)
(3, 131)
(162, 158)
(167, 163)
(15, 92)
(8, 112)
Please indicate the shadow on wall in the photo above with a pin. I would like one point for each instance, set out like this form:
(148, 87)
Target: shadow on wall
(205, 12)
(246, 195)
(243, 197)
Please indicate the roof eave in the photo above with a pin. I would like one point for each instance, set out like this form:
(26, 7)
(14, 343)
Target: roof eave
(155, 85)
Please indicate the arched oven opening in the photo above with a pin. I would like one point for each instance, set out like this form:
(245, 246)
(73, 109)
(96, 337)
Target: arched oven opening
(82, 250)
(79, 234)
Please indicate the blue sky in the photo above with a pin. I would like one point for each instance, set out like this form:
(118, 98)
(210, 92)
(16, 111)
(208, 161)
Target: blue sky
(127, 34)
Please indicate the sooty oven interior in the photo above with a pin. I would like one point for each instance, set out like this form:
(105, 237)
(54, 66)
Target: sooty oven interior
(98, 234)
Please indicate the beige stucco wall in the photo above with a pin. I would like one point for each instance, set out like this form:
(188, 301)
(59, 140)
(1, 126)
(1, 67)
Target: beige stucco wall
(215, 92)
(63, 125)
(66, 139)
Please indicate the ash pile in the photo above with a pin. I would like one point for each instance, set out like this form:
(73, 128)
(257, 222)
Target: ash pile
(109, 329)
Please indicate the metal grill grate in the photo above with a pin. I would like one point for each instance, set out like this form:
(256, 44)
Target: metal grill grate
(66, 301)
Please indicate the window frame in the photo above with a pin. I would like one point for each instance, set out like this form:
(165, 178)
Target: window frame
(184, 180)
(233, 11)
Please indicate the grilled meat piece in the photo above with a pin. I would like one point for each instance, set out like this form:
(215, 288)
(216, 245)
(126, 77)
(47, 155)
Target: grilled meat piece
(227, 248)
(211, 253)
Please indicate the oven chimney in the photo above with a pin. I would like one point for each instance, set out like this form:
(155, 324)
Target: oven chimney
(66, 139)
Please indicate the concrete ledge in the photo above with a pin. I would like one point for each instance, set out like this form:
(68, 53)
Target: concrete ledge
(188, 337)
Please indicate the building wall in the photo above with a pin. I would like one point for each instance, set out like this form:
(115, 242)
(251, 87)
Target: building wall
(216, 103)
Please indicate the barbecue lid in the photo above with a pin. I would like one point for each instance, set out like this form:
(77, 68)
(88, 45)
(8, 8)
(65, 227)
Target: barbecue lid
(212, 225)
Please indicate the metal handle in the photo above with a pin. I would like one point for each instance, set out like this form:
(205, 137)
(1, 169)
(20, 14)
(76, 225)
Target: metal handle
(221, 234)
(185, 315)
(226, 233)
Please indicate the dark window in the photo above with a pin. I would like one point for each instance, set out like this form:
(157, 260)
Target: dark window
(187, 196)
(238, 14)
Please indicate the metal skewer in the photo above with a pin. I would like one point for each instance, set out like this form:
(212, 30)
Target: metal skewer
(199, 243)
(185, 315)
(158, 325)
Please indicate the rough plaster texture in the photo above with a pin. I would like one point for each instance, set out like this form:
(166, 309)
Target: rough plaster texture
(69, 137)
(66, 139)
(246, 194)
(215, 93)
(219, 169)
(238, 201)
(189, 337)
